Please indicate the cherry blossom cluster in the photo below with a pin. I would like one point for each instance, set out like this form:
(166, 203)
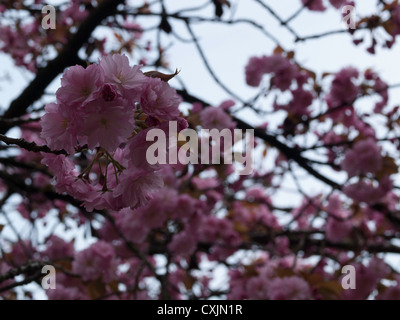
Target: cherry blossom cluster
(103, 111)
(30, 45)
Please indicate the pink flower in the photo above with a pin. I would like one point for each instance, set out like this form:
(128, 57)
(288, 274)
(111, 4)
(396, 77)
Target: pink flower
(66, 176)
(381, 88)
(137, 186)
(314, 5)
(58, 129)
(205, 183)
(73, 14)
(343, 90)
(301, 99)
(132, 227)
(284, 71)
(257, 287)
(216, 118)
(135, 29)
(289, 288)
(390, 293)
(165, 204)
(96, 261)
(254, 215)
(255, 70)
(108, 92)
(107, 124)
(183, 243)
(364, 157)
(136, 150)
(227, 104)
(58, 248)
(366, 192)
(22, 251)
(80, 86)
(118, 72)
(59, 164)
(158, 99)
(336, 230)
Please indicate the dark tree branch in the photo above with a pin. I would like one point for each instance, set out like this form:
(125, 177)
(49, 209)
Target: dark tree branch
(27, 280)
(27, 268)
(30, 146)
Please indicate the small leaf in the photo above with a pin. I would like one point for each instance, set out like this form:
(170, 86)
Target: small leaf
(264, 154)
(113, 286)
(290, 55)
(189, 281)
(96, 289)
(325, 74)
(118, 37)
(225, 2)
(390, 6)
(330, 289)
(250, 271)
(284, 272)
(145, 8)
(1, 227)
(389, 26)
(278, 50)
(240, 227)
(389, 167)
(164, 77)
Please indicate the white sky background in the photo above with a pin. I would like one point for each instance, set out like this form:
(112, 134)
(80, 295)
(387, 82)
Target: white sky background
(229, 47)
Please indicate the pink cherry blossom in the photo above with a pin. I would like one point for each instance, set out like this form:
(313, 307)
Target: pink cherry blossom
(216, 118)
(136, 187)
(183, 243)
(131, 226)
(58, 248)
(118, 72)
(314, 5)
(107, 123)
(364, 157)
(289, 288)
(158, 99)
(96, 261)
(255, 70)
(282, 70)
(58, 128)
(344, 90)
(364, 191)
(80, 86)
